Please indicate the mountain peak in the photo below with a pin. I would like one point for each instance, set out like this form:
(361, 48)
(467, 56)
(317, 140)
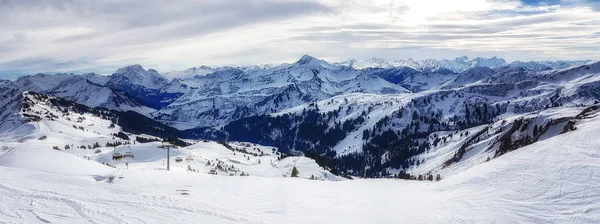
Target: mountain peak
(131, 68)
(137, 75)
(307, 59)
(463, 58)
(137, 71)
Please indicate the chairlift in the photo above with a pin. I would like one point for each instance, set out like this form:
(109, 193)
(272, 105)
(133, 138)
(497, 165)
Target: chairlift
(128, 155)
(117, 156)
(178, 159)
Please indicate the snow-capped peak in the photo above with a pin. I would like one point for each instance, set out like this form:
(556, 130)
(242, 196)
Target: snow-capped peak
(492, 62)
(136, 74)
(545, 65)
(307, 59)
(456, 65)
(189, 73)
(135, 68)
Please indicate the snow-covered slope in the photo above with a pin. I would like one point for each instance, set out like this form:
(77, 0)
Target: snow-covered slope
(482, 130)
(556, 184)
(147, 85)
(77, 88)
(52, 161)
(393, 130)
(136, 75)
(233, 93)
(546, 65)
(457, 65)
(46, 127)
(205, 96)
(189, 73)
(486, 142)
(362, 113)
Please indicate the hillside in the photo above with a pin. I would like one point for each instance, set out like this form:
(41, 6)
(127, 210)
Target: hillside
(371, 122)
(271, 144)
(557, 185)
(50, 127)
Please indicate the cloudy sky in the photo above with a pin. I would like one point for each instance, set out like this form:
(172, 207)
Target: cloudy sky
(103, 35)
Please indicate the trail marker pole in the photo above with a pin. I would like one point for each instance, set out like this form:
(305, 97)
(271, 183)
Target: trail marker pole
(168, 159)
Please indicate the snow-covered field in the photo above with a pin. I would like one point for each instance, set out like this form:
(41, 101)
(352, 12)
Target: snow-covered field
(552, 181)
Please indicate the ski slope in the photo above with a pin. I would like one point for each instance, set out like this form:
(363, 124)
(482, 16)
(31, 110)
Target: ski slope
(551, 181)
(433, 160)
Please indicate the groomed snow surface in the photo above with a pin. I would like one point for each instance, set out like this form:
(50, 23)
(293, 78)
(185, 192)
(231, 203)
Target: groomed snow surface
(552, 181)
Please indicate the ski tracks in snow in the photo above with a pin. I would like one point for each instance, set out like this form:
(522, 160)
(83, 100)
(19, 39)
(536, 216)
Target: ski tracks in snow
(27, 197)
(40, 204)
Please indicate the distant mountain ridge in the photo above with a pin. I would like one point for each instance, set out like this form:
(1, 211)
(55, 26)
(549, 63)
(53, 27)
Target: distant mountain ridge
(457, 65)
(443, 66)
(205, 96)
(371, 122)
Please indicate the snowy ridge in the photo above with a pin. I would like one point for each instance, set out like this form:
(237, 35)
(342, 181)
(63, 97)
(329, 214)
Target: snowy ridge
(555, 177)
(45, 126)
(478, 126)
(205, 96)
(374, 102)
(189, 73)
(77, 88)
(136, 75)
(457, 65)
(478, 100)
(230, 94)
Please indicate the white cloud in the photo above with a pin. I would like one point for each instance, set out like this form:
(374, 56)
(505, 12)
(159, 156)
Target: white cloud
(46, 36)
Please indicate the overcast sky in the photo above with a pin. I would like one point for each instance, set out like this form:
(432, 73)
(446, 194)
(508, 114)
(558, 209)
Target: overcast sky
(103, 35)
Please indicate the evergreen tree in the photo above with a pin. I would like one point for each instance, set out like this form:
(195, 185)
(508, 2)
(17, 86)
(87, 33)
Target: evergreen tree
(295, 172)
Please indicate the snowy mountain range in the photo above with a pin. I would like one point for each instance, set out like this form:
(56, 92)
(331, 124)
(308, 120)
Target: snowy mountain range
(382, 115)
(179, 147)
(457, 65)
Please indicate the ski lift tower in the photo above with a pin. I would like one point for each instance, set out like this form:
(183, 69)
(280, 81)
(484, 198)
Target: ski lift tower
(168, 146)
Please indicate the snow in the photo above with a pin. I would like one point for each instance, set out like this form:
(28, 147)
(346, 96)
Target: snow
(433, 160)
(552, 176)
(150, 156)
(205, 96)
(189, 73)
(137, 75)
(52, 161)
(546, 182)
(77, 130)
(83, 89)
(230, 89)
(543, 65)
(457, 65)
(353, 104)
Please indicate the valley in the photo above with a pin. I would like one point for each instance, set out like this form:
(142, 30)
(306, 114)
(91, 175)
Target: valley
(472, 141)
